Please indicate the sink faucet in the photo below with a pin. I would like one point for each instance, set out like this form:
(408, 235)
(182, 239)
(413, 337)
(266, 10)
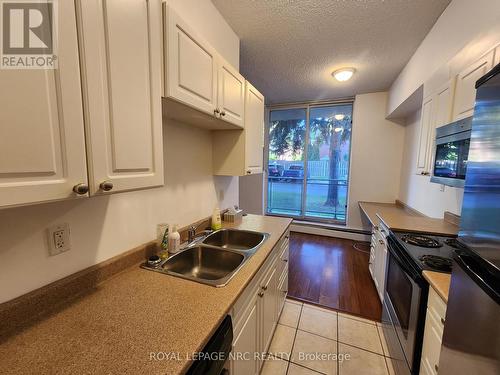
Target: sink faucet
(192, 232)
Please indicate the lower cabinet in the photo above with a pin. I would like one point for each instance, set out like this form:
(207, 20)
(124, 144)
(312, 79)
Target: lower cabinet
(433, 334)
(269, 305)
(256, 313)
(246, 343)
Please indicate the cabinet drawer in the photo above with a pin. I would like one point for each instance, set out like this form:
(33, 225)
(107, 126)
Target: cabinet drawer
(436, 307)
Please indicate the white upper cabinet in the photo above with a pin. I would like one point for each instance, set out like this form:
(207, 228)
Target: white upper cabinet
(240, 152)
(465, 92)
(443, 104)
(426, 122)
(254, 129)
(231, 94)
(121, 59)
(190, 65)
(42, 143)
(199, 78)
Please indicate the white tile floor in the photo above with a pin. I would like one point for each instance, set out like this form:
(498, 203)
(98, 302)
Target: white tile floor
(310, 340)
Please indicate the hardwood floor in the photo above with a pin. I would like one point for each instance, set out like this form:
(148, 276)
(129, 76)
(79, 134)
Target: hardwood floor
(330, 272)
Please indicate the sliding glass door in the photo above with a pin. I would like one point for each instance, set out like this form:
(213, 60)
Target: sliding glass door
(308, 171)
(287, 137)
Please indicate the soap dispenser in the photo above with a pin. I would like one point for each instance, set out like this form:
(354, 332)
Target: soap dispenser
(174, 240)
(216, 220)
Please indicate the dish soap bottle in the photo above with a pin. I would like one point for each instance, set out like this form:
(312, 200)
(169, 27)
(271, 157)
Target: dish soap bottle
(164, 243)
(216, 221)
(174, 240)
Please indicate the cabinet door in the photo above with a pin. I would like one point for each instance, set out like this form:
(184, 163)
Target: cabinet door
(246, 342)
(424, 137)
(231, 94)
(282, 292)
(190, 65)
(443, 109)
(254, 129)
(465, 93)
(431, 347)
(42, 142)
(268, 303)
(121, 58)
(381, 264)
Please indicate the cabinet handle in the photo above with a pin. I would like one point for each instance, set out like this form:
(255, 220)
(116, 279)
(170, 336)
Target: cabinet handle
(442, 321)
(261, 294)
(216, 111)
(264, 287)
(381, 242)
(223, 113)
(285, 260)
(106, 185)
(81, 189)
(436, 367)
(249, 172)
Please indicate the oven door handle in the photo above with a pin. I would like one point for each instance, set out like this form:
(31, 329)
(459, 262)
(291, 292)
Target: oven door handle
(405, 266)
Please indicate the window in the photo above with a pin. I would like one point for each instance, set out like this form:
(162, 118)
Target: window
(308, 171)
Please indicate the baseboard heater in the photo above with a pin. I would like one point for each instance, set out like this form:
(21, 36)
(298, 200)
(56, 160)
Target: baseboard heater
(330, 230)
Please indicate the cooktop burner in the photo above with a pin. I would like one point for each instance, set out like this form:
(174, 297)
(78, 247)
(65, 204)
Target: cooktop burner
(427, 251)
(420, 240)
(436, 262)
(453, 243)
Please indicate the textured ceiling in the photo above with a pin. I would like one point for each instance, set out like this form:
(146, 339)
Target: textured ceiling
(289, 48)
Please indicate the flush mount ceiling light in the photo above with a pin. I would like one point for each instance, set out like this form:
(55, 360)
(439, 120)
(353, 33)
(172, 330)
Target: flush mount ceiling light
(338, 130)
(343, 74)
(339, 116)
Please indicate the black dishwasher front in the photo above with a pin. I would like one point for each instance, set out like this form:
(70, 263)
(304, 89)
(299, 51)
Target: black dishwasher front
(213, 357)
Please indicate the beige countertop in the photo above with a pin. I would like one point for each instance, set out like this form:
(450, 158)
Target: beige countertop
(398, 217)
(440, 282)
(115, 328)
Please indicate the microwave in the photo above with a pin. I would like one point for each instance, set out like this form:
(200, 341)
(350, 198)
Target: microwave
(452, 150)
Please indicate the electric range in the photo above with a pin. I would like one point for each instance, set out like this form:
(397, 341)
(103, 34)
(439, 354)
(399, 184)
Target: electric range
(406, 292)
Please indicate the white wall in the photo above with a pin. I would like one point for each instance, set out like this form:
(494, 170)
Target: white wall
(377, 147)
(464, 23)
(107, 226)
(416, 190)
(464, 31)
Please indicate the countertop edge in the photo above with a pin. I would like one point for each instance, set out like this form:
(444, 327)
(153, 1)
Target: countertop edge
(422, 223)
(440, 282)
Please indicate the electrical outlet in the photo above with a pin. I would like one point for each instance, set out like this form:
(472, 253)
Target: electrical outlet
(58, 238)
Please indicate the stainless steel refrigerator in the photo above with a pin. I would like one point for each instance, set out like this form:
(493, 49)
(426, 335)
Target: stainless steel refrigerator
(471, 339)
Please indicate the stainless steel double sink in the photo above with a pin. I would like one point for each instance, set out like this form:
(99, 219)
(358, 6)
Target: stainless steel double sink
(213, 259)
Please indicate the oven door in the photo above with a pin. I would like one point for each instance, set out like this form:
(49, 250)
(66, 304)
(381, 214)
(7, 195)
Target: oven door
(406, 296)
(450, 161)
